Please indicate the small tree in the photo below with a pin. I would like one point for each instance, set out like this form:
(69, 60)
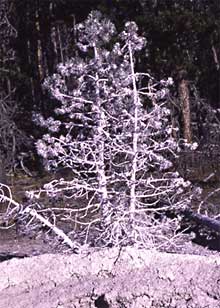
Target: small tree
(112, 130)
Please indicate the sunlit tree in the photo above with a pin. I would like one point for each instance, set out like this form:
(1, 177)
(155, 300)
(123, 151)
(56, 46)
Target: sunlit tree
(112, 129)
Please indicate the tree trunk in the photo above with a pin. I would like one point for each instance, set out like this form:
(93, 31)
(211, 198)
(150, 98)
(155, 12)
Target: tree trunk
(100, 145)
(39, 45)
(185, 106)
(134, 137)
(2, 172)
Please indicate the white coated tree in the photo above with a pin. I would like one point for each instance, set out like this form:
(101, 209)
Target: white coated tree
(112, 128)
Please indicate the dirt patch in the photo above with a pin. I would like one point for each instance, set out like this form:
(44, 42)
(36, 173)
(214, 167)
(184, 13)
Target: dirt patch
(111, 278)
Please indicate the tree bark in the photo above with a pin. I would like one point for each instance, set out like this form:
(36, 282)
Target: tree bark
(2, 172)
(185, 106)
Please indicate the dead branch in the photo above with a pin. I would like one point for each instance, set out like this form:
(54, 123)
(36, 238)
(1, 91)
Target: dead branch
(203, 220)
(17, 209)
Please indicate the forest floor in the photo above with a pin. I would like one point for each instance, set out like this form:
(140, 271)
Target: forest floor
(13, 245)
(196, 241)
(17, 243)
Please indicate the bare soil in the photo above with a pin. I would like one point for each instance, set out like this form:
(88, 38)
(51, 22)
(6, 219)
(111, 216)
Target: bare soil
(111, 278)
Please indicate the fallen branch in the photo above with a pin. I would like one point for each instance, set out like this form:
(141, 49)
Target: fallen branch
(56, 230)
(211, 223)
(18, 208)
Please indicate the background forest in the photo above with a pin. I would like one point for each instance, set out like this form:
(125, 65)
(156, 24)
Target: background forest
(182, 43)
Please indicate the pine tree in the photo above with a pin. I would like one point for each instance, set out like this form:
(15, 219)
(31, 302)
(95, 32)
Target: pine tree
(112, 129)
